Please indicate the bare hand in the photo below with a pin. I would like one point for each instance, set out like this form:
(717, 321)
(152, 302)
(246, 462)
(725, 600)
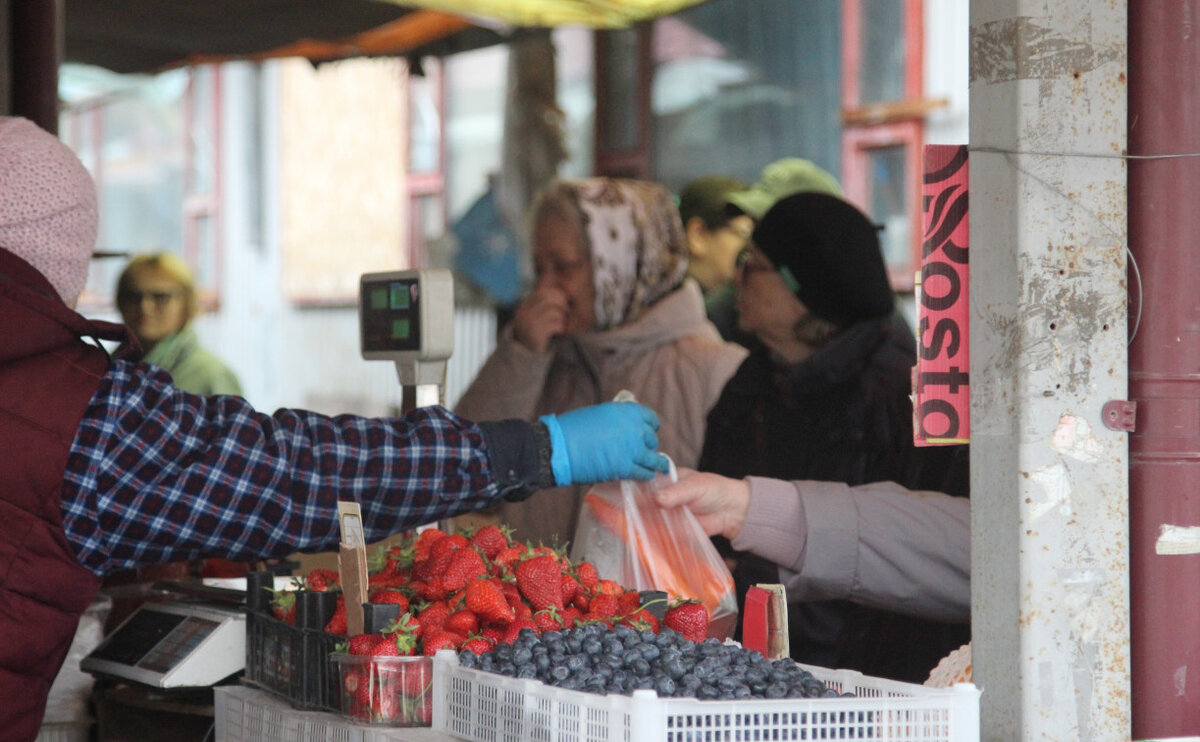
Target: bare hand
(720, 504)
(539, 317)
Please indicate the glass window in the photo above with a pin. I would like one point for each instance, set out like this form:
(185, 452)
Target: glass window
(882, 51)
(888, 176)
(129, 130)
(738, 84)
(425, 119)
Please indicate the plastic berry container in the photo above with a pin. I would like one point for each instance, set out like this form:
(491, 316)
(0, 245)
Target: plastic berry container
(386, 691)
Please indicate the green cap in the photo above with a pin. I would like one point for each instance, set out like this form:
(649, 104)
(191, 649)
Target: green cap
(783, 178)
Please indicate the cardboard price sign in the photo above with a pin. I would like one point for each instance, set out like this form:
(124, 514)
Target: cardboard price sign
(352, 565)
(941, 388)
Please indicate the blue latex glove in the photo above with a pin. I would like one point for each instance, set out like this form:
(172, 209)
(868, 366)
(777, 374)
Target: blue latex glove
(614, 440)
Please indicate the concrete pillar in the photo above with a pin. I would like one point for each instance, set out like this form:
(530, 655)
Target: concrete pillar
(1049, 484)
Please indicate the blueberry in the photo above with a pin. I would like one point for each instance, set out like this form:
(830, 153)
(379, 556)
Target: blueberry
(775, 690)
(664, 686)
(650, 651)
(640, 667)
(521, 656)
(559, 672)
(526, 670)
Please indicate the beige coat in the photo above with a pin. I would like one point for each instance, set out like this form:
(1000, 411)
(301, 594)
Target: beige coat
(671, 358)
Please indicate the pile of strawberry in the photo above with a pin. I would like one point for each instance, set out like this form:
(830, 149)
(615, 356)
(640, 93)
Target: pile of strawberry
(459, 591)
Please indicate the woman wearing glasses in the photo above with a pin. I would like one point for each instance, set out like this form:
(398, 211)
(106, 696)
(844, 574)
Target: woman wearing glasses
(156, 296)
(823, 401)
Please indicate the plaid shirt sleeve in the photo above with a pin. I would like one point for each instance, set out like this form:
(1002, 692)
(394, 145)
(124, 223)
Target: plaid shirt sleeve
(158, 475)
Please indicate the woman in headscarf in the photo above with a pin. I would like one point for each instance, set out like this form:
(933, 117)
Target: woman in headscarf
(610, 310)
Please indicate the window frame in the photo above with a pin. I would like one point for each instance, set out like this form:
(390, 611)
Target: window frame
(430, 183)
(885, 124)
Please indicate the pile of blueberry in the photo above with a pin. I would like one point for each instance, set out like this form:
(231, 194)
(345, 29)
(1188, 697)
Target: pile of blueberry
(597, 659)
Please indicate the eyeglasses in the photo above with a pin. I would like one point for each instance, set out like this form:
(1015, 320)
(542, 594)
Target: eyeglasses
(749, 261)
(160, 299)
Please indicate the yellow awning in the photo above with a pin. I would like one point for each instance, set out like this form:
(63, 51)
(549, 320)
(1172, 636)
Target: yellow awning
(550, 13)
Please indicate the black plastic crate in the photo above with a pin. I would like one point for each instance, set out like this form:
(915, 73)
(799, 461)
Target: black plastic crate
(292, 662)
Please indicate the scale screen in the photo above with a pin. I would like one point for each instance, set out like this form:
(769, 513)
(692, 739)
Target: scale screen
(174, 645)
(391, 314)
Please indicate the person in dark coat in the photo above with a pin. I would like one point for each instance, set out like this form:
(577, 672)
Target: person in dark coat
(824, 395)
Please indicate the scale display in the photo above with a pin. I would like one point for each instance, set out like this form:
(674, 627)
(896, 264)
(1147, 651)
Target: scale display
(174, 645)
(391, 314)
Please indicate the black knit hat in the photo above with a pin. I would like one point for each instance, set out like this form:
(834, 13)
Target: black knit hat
(832, 250)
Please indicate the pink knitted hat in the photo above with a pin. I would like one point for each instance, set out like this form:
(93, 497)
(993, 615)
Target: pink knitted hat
(47, 205)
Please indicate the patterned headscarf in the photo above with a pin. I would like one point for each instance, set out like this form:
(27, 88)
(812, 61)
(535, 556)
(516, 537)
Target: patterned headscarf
(636, 241)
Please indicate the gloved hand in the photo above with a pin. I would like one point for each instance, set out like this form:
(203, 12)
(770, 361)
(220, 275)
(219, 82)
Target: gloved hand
(614, 440)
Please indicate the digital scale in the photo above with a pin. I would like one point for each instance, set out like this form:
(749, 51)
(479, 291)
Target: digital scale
(174, 644)
(407, 317)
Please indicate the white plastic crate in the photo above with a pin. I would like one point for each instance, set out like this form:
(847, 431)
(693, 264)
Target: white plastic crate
(246, 714)
(486, 707)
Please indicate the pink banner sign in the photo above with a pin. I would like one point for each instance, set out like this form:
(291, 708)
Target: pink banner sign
(941, 388)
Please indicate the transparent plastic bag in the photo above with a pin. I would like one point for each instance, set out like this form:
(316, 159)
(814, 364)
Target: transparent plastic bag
(632, 540)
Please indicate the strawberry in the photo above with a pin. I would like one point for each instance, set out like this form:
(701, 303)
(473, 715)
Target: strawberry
(283, 606)
(629, 602)
(548, 619)
(321, 580)
(363, 644)
(399, 559)
(440, 639)
(688, 617)
(424, 541)
(514, 628)
(426, 570)
(432, 616)
(511, 594)
(493, 633)
(570, 615)
(423, 713)
(463, 621)
(490, 540)
(641, 619)
(337, 622)
(385, 648)
(415, 678)
(478, 644)
(610, 587)
(389, 595)
(523, 611)
(387, 578)
(570, 587)
(603, 606)
(464, 565)
(505, 559)
(538, 580)
(432, 589)
(447, 544)
(485, 598)
(402, 633)
(588, 576)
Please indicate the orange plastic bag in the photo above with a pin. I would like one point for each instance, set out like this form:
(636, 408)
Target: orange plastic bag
(632, 540)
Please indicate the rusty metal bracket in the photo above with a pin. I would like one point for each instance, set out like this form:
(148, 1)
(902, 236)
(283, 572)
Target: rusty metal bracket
(1120, 414)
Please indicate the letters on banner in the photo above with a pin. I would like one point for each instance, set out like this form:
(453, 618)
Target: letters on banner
(941, 389)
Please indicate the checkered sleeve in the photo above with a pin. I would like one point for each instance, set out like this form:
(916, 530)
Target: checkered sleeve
(158, 475)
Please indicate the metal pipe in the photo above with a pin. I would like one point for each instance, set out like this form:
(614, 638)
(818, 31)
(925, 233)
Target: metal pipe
(1164, 366)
